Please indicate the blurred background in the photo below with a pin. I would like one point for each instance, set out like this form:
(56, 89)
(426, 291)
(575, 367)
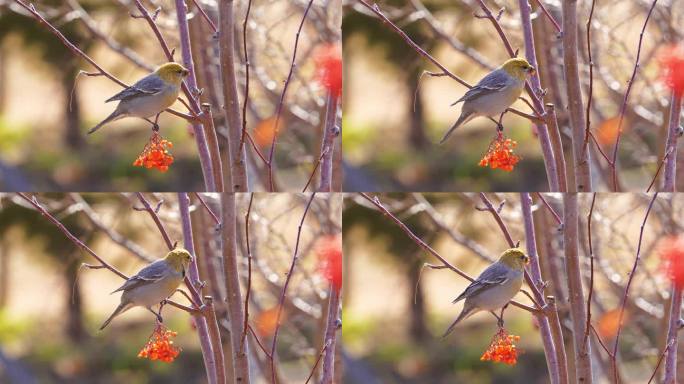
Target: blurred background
(46, 109)
(393, 119)
(51, 309)
(396, 312)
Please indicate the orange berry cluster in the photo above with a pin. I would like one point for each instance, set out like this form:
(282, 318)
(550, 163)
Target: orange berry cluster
(155, 154)
(502, 349)
(160, 346)
(500, 154)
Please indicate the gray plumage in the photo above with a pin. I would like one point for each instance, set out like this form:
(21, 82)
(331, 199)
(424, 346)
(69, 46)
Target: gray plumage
(148, 85)
(144, 99)
(490, 96)
(496, 274)
(149, 274)
(494, 81)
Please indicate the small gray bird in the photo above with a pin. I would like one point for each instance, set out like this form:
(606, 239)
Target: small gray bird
(150, 96)
(152, 284)
(495, 286)
(494, 93)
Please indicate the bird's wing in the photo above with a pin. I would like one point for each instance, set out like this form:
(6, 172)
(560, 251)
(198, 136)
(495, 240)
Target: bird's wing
(148, 85)
(495, 274)
(493, 82)
(149, 274)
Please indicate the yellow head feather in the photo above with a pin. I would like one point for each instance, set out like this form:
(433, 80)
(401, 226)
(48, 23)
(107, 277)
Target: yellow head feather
(172, 73)
(179, 259)
(518, 68)
(514, 258)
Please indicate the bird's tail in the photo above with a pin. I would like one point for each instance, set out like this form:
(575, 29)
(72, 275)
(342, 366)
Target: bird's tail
(123, 307)
(467, 311)
(465, 116)
(116, 115)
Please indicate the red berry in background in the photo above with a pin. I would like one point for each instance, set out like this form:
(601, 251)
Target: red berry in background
(329, 251)
(672, 65)
(672, 252)
(328, 60)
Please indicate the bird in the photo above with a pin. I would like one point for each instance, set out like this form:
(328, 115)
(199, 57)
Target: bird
(495, 286)
(149, 96)
(493, 94)
(152, 284)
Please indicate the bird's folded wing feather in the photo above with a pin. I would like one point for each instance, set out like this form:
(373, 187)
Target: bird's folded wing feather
(495, 274)
(148, 275)
(493, 82)
(148, 85)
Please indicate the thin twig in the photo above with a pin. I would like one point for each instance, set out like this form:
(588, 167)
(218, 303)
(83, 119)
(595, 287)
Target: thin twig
(591, 271)
(550, 208)
(281, 101)
(248, 289)
(623, 107)
(245, 99)
(623, 301)
(281, 300)
(155, 217)
(587, 113)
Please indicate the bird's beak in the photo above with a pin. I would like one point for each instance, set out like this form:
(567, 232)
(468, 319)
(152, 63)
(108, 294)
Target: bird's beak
(185, 72)
(532, 71)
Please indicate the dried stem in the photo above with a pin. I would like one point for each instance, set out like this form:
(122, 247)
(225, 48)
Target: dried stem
(672, 332)
(245, 99)
(236, 315)
(556, 360)
(234, 155)
(673, 133)
(213, 145)
(211, 348)
(574, 96)
(332, 326)
(330, 131)
(590, 92)
(578, 313)
(591, 272)
(553, 173)
(248, 289)
(557, 144)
